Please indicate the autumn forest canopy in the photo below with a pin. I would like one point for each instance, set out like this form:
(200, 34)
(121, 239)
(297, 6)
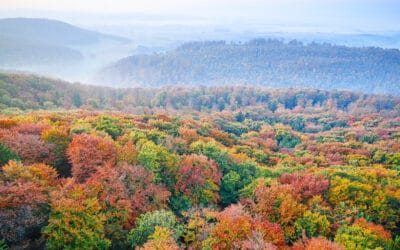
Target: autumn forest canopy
(229, 167)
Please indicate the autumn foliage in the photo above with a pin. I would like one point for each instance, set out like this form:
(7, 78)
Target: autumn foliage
(198, 179)
(88, 153)
(306, 170)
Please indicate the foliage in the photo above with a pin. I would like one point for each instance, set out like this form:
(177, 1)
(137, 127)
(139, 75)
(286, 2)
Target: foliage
(232, 227)
(6, 154)
(76, 220)
(313, 224)
(323, 166)
(24, 201)
(198, 179)
(147, 223)
(316, 243)
(161, 239)
(88, 153)
(29, 147)
(58, 137)
(109, 125)
(362, 235)
(159, 161)
(262, 61)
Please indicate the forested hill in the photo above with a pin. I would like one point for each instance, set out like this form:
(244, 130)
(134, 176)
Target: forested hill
(20, 92)
(33, 42)
(223, 167)
(51, 32)
(260, 62)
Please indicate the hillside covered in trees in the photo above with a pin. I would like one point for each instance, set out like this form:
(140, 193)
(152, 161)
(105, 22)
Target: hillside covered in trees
(21, 93)
(260, 62)
(199, 168)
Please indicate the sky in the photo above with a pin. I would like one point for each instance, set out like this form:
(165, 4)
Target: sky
(357, 14)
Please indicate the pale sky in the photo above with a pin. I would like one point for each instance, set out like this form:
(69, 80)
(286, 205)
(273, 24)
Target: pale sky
(373, 14)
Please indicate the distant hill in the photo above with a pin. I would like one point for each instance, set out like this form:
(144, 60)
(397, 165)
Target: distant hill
(51, 32)
(261, 62)
(20, 52)
(22, 92)
(35, 42)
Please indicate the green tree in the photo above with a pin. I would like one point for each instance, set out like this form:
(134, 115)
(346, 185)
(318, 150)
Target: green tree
(213, 152)
(6, 154)
(285, 139)
(157, 159)
(147, 223)
(363, 235)
(241, 175)
(76, 221)
(109, 125)
(313, 224)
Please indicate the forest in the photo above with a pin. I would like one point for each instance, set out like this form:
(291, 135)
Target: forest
(262, 62)
(236, 167)
(21, 93)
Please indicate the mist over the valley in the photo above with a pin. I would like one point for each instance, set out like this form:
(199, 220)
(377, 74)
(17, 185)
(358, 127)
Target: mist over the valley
(84, 45)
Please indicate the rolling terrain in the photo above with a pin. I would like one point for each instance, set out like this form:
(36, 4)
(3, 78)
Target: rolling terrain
(224, 167)
(55, 48)
(260, 62)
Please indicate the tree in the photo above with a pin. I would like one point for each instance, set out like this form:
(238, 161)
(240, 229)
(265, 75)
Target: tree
(198, 179)
(229, 188)
(29, 147)
(159, 161)
(232, 228)
(24, 201)
(3, 245)
(213, 152)
(58, 138)
(280, 204)
(307, 185)
(367, 190)
(127, 153)
(362, 235)
(147, 223)
(6, 154)
(240, 175)
(313, 224)
(198, 225)
(76, 220)
(286, 139)
(125, 192)
(108, 125)
(144, 195)
(88, 153)
(161, 239)
(316, 243)
(113, 199)
(77, 100)
(270, 232)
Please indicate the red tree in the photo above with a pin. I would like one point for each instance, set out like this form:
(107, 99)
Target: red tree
(24, 201)
(29, 147)
(199, 178)
(88, 153)
(307, 185)
(129, 190)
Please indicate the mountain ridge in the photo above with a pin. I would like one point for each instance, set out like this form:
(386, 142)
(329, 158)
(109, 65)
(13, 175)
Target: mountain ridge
(36, 42)
(261, 62)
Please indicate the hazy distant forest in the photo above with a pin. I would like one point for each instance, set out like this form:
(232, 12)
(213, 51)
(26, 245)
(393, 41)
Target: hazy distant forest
(201, 168)
(262, 62)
